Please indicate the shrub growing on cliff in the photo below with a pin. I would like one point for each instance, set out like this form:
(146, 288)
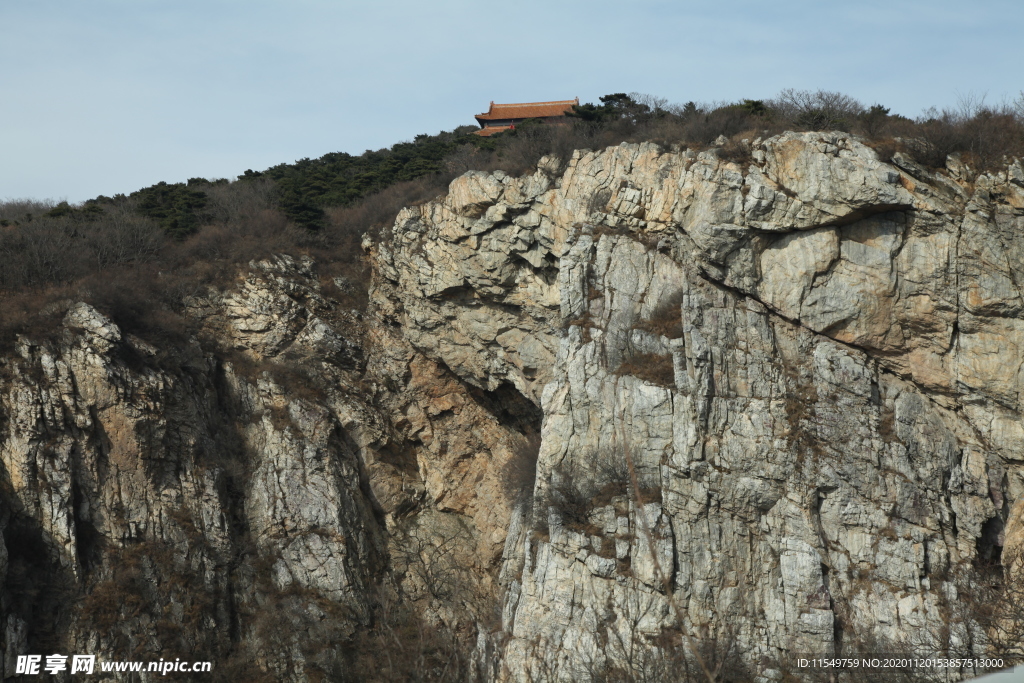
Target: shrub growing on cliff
(650, 367)
(983, 134)
(597, 479)
(990, 597)
(571, 495)
(667, 319)
(819, 110)
(520, 471)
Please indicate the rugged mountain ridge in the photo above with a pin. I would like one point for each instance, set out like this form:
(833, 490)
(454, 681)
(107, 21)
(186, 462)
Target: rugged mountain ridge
(811, 357)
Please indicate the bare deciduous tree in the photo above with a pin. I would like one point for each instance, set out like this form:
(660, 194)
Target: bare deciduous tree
(817, 110)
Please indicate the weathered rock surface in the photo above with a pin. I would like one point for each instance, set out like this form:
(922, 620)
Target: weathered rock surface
(247, 499)
(810, 362)
(835, 427)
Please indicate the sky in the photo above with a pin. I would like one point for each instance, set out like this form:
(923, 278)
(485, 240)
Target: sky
(108, 96)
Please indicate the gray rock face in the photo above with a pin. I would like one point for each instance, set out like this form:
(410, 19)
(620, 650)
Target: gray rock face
(777, 402)
(251, 499)
(184, 498)
(825, 430)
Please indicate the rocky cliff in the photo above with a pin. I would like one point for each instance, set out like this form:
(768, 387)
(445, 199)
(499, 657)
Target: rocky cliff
(638, 411)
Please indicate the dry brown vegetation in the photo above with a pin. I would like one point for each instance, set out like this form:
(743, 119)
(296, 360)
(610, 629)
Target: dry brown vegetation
(519, 473)
(113, 256)
(667, 319)
(599, 479)
(650, 367)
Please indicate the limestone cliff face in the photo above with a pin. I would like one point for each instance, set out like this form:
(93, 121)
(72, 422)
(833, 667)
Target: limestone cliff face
(250, 493)
(811, 359)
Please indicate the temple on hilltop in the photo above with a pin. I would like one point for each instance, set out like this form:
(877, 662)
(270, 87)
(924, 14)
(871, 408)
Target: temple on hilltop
(502, 117)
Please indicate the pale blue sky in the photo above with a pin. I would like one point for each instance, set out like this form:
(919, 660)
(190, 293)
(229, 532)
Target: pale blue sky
(107, 96)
